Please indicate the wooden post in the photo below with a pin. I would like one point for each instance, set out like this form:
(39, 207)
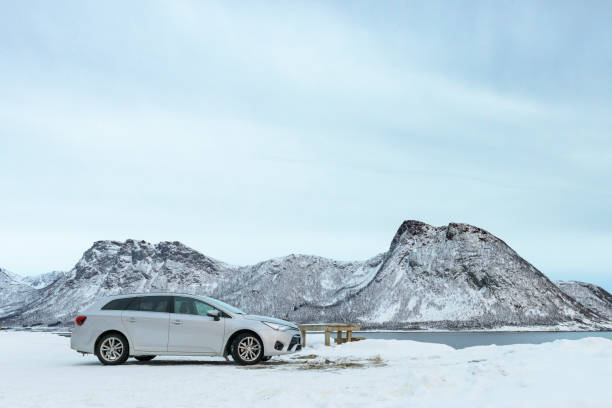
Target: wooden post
(327, 333)
(339, 336)
(349, 336)
(303, 338)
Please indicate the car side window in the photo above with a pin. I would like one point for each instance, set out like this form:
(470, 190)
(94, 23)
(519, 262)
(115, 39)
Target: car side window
(154, 304)
(202, 307)
(184, 305)
(134, 304)
(117, 304)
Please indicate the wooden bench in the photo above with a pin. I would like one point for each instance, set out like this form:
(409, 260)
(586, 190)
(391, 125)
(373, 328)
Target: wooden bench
(328, 328)
(339, 340)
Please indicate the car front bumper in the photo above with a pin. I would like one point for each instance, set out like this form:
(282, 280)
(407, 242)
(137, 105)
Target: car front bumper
(282, 342)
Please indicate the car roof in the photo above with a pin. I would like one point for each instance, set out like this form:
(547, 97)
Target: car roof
(105, 299)
(122, 295)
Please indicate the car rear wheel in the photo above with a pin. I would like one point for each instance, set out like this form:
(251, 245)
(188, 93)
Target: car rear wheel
(144, 358)
(112, 349)
(247, 349)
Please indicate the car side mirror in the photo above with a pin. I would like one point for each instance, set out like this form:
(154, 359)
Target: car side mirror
(214, 314)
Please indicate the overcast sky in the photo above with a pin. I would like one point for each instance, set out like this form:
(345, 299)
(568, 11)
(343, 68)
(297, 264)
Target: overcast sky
(253, 130)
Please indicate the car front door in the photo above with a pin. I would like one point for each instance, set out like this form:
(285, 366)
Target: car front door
(146, 320)
(191, 330)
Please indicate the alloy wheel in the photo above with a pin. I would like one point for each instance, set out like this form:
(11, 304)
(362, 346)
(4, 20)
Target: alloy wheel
(111, 349)
(249, 349)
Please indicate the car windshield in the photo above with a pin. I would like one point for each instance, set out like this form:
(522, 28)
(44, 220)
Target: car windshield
(223, 305)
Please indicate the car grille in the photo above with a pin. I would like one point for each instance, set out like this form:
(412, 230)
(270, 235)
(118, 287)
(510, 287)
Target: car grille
(296, 339)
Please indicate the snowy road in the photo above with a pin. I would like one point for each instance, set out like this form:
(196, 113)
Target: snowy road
(40, 370)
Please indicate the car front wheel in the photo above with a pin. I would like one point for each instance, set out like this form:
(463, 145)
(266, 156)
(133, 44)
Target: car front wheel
(247, 349)
(112, 349)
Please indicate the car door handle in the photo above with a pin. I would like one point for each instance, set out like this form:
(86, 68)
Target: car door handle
(131, 319)
(177, 322)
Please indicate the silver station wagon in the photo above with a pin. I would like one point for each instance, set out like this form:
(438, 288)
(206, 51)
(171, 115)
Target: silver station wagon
(147, 325)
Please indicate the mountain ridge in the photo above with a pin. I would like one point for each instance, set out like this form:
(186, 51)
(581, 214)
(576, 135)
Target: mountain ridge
(456, 276)
(14, 293)
(589, 295)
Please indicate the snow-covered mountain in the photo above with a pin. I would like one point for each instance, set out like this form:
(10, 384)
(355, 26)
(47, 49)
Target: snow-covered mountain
(455, 276)
(591, 296)
(43, 280)
(14, 294)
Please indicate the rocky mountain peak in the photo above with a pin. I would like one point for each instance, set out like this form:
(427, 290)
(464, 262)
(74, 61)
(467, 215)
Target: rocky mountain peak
(409, 229)
(455, 229)
(138, 257)
(412, 234)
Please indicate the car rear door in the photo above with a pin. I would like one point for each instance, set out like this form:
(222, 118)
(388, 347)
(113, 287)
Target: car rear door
(146, 321)
(192, 331)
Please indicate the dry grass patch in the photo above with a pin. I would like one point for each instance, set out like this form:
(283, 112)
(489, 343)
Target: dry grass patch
(306, 357)
(314, 362)
(329, 365)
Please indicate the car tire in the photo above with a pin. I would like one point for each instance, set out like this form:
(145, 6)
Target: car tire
(112, 349)
(144, 358)
(247, 349)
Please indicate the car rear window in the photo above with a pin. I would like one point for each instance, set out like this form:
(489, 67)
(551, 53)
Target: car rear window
(117, 304)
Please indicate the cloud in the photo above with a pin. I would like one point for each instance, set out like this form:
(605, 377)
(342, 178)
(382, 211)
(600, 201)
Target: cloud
(314, 127)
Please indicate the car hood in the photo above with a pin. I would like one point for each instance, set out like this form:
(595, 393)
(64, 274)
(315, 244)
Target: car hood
(269, 320)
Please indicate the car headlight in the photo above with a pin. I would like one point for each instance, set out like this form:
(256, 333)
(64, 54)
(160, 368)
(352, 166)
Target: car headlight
(276, 326)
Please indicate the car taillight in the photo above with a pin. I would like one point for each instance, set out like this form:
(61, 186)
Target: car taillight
(80, 320)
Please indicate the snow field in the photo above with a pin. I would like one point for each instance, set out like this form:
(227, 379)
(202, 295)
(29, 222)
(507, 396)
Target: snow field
(40, 370)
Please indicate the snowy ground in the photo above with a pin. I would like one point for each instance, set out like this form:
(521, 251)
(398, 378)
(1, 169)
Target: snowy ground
(40, 370)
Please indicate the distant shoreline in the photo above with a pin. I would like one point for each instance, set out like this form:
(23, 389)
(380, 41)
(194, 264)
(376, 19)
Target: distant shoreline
(67, 329)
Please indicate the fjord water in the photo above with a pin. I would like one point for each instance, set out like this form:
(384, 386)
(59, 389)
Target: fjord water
(456, 340)
(459, 340)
